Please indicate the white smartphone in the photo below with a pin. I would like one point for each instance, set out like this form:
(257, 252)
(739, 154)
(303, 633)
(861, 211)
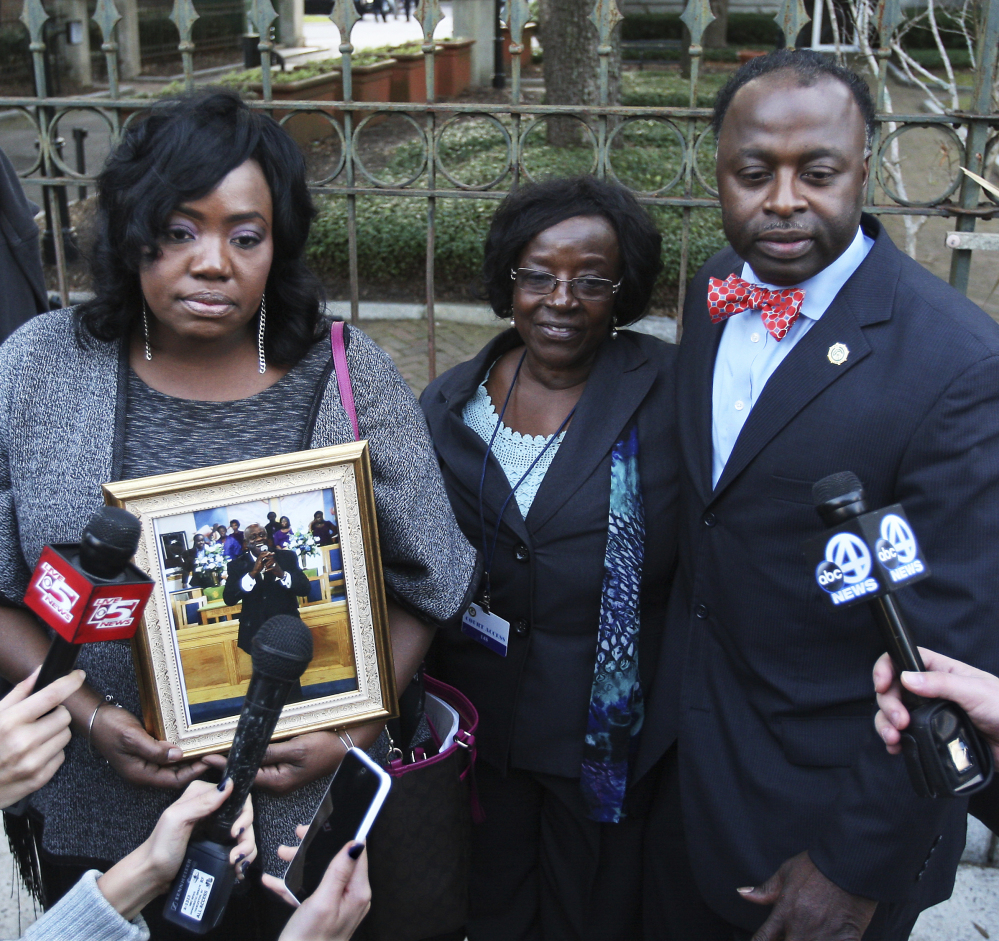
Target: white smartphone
(347, 813)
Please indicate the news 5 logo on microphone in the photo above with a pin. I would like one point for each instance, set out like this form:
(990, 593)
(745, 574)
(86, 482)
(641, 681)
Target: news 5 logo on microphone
(82, 608)
(867, 556)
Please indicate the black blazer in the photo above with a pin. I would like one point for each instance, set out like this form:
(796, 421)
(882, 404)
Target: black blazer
(767, 687)
(548, 570)
(269, 596)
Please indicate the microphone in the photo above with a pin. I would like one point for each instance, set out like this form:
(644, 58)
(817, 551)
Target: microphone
(282, 650)
(89, 591)
(867, 556)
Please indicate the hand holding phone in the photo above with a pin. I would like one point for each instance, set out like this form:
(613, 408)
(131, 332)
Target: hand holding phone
(346, 815)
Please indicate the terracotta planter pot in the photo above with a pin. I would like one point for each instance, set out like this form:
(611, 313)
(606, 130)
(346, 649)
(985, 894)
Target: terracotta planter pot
(746, 54)
(525, 57)
(409, 78)
(372, 83)
(453, 67)
(307, 127)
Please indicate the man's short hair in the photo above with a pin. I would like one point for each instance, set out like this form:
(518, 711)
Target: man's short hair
(808, 66)
(234, 523)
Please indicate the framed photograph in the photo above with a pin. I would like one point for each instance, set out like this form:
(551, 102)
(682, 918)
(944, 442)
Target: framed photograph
(309, 518)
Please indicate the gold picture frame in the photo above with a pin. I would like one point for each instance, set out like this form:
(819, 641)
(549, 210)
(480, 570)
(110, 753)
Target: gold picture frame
(191, 672)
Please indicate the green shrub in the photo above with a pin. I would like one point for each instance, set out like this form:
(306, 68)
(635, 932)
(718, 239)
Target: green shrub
(391, 232)
(744, 29)
(921, 36)
(931, 58)
(667, 90)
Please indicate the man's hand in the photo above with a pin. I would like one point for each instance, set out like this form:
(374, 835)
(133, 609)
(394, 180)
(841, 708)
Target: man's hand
(975, 691)
(261, 563)
(137, 756)
(808, 907)
(272, 567)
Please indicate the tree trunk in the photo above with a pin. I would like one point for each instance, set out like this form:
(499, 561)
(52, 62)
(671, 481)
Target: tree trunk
(571, 64)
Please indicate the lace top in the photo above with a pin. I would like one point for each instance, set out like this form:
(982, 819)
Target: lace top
(514, 451)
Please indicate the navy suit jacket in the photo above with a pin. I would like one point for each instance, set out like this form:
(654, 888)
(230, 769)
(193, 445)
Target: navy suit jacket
(764, 686)
(548, 568)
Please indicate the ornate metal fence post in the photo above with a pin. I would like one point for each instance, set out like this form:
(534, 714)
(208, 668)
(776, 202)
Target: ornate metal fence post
(697, 17)
(978, 132)
(518, 14)
(344, 16)
(183, 16)
(605, 17)
(428, 15)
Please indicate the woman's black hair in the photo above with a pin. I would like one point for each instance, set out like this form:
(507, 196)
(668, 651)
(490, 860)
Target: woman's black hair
(181, 152)
(533, 208)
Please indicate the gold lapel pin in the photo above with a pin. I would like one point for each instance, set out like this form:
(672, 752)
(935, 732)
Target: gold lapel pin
(838, 354)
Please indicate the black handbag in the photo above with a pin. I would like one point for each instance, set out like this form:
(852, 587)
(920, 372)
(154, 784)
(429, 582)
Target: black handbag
(419, 848)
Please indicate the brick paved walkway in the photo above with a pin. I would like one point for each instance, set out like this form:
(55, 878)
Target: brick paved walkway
(406, 342)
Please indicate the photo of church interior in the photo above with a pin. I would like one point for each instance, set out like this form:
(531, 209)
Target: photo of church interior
(197, 549)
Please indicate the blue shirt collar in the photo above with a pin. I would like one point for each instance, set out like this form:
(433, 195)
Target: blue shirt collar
(822, 288)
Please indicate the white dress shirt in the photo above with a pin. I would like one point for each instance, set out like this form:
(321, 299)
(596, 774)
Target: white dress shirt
(748, 356)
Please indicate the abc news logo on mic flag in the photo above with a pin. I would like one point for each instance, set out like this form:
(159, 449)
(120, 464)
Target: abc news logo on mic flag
(82, 609)
(867, 556)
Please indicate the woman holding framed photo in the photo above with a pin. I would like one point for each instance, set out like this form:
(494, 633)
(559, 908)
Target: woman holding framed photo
(205, 339)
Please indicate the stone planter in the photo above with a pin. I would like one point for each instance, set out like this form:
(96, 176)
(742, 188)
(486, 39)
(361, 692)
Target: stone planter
(525, 57)
(372, 83)
(307, 127)
(409, 77)
(452, 67)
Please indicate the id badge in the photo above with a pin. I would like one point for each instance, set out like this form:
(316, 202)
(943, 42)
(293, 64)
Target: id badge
(490, 630)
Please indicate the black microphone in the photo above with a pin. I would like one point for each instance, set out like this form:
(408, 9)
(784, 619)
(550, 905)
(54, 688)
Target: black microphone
(282, 650)
(865, 556)
(107, 544)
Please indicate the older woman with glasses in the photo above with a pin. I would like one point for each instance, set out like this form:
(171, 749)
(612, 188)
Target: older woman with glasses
(557, 452)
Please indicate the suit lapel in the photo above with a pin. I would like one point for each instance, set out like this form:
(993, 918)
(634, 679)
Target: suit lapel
(695, 375)
(865, 299)
(606, 406)
(800, 377)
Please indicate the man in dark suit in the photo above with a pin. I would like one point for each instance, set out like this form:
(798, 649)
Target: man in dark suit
(266, 582)
(779, 811)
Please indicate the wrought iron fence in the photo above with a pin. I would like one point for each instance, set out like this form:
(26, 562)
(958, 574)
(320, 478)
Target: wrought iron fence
(972, 134)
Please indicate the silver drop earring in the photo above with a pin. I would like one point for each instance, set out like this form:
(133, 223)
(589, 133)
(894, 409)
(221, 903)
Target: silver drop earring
(260, 337)
(145, 330)
(614, 327)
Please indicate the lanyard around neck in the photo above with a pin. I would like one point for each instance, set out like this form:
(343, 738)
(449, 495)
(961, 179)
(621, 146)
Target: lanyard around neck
(489, 549)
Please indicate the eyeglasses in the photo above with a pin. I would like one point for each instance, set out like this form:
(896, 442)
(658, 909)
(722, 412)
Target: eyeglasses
(583, 289)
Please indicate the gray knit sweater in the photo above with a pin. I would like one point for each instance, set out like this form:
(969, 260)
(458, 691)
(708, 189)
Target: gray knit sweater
(62, 413)
(83, 914)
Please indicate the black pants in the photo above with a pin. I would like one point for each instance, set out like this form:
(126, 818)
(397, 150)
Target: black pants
(673, 908)
(542, 871)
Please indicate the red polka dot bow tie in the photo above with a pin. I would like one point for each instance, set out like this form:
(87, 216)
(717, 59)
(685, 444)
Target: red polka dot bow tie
(779, 309)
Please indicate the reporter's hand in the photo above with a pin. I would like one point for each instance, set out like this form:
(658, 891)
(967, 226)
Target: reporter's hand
(336, 908)
(34, 730)
(148, 871)
(137, 756)
(975, 691)
(808, 906)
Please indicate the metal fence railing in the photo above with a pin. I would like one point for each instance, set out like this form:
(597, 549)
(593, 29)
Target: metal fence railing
(687, 187)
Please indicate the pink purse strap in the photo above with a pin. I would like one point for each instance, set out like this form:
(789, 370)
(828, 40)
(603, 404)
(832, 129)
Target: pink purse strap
(343, 375)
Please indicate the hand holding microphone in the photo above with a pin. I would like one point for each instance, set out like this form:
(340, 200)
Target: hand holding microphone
(975, 691)
(34, 730)
(282, 650)
(866, 556)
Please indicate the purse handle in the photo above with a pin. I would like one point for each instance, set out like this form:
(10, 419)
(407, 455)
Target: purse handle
(343, 375)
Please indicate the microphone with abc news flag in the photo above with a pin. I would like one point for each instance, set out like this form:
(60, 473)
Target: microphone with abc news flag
(866, 556)
(87, 591)
(282, 650)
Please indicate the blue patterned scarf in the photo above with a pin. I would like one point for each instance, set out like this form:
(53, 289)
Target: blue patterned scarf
(616, 707)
